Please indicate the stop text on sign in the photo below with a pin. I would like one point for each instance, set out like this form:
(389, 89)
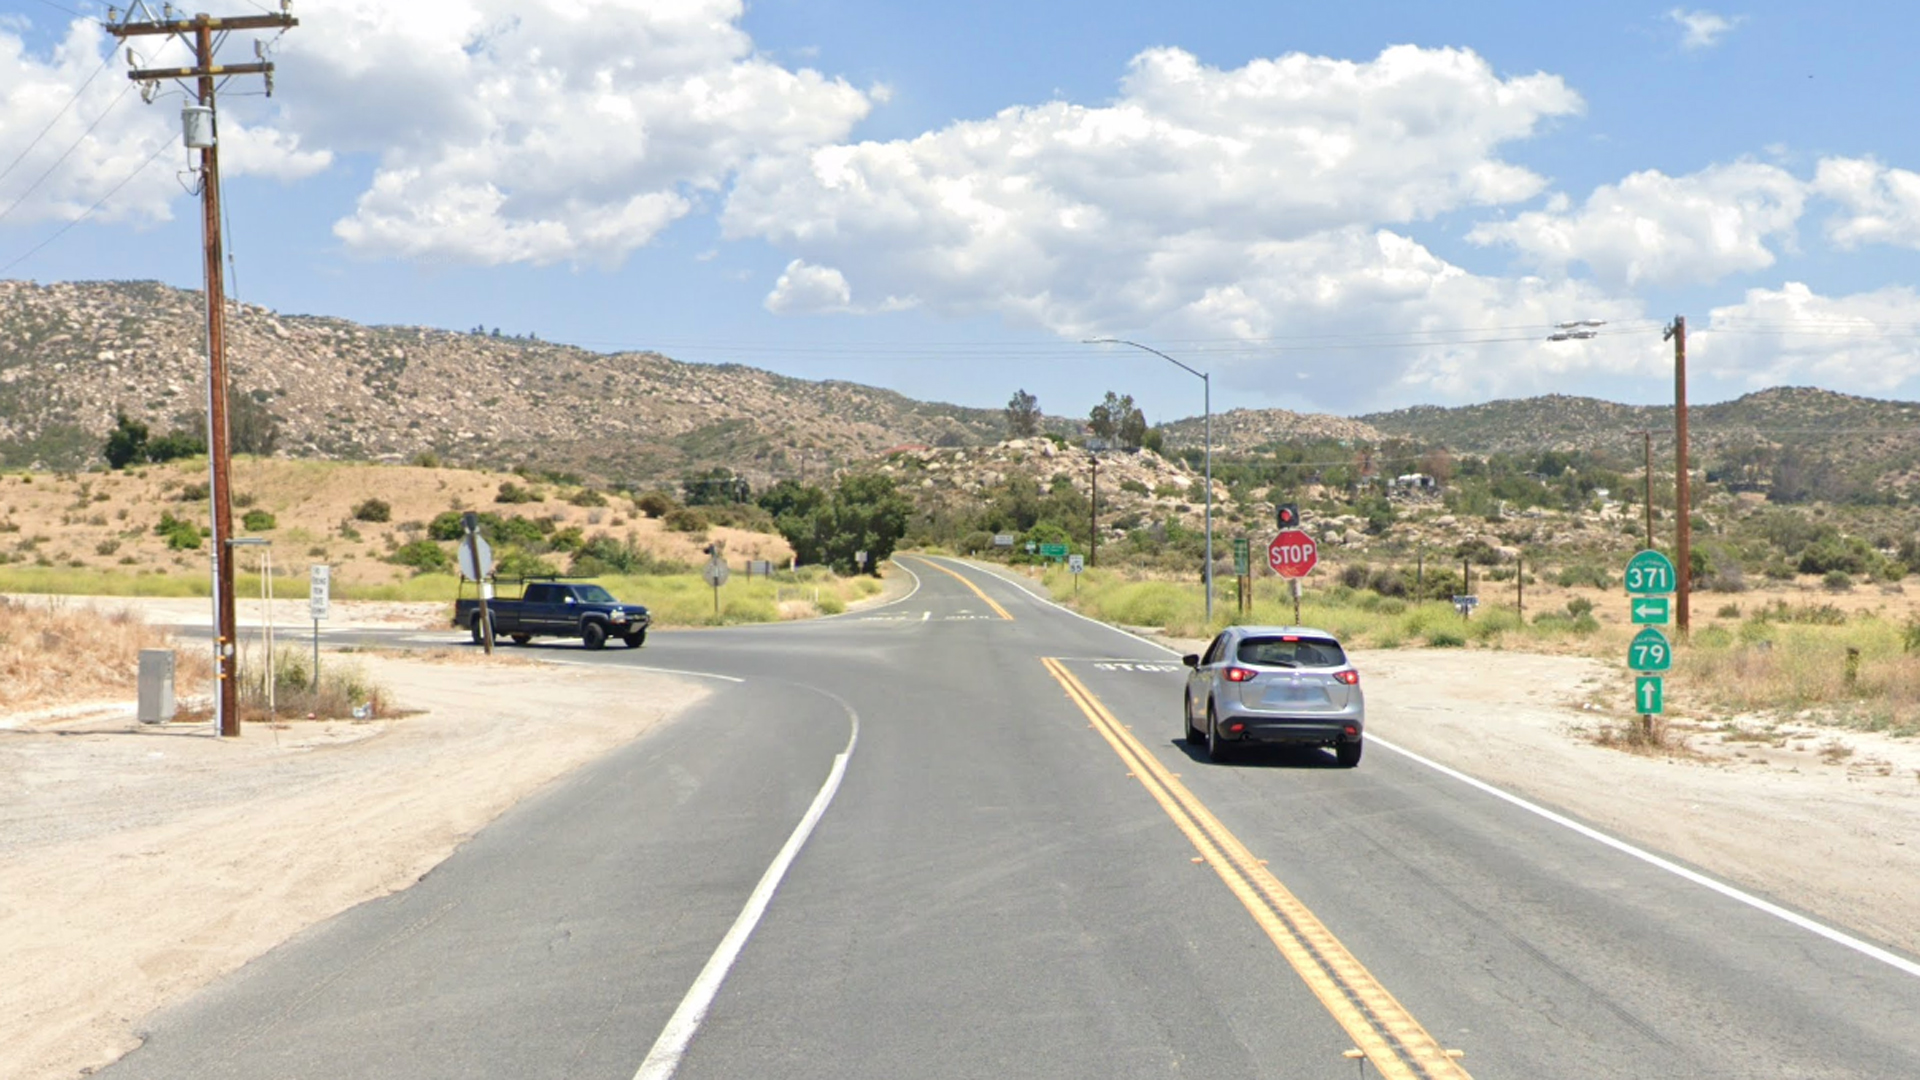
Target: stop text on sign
(1292, 554)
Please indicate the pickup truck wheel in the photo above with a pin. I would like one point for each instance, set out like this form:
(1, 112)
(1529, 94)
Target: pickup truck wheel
(635, 639)
(594, 635)
(479, 630)
(521, 639)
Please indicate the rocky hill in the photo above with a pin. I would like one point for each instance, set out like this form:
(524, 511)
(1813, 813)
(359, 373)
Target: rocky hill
(71, 354)
(1815, 421)
(1245, 430)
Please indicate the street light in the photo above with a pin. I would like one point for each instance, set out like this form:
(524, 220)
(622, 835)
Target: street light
(1206, 381)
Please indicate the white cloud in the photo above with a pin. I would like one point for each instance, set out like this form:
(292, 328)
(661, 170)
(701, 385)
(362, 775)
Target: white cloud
(544, 131)
(1702, 29)
(1792, 336)
(1882, 204)
(805, 289)
(1202, 198)
(1656, 229)
(93, 131)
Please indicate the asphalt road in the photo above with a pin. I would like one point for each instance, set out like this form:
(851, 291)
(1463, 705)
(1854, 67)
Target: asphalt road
(959, 836)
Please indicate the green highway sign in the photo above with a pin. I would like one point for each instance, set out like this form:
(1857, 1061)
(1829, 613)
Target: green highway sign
(1053, 551)
(1650, 610)
(1648, 698)
(1650, 651)
(1241, 559)
(1650, 573)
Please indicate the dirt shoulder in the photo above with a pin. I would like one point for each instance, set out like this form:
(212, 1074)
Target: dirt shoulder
(1821, 819)
(139, 864)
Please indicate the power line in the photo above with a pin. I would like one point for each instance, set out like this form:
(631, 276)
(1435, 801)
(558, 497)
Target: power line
(31, 188)
(58, 233)
(104, 61)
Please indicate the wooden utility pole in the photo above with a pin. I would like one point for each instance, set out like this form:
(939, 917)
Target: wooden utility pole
(1682, 504)
(200, 31)
(1647, 441)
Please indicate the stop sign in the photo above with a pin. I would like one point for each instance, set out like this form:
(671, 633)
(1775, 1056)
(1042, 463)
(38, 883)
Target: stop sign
(1292, 554)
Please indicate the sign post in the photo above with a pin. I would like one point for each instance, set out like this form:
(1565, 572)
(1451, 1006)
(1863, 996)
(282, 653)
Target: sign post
(716, 576)
(1075, 564)
(476, 562)
(1649, 578)
(319, 589)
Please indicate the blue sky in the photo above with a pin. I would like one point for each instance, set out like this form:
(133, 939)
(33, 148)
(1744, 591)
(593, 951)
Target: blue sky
(1331, 207)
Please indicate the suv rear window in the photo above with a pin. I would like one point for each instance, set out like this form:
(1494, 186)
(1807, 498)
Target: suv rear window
(1292, 652)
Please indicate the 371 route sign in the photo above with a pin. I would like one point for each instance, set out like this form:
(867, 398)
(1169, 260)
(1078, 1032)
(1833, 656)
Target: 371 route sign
(1650, 573)
(1293, 554)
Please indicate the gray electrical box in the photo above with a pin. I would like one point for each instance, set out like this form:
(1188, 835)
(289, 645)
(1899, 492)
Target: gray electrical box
(156, 686)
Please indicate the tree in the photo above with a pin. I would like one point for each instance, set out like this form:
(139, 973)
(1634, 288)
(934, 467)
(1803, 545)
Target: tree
(253, 427)
(1023, 415)
(127, 443)
(1109, 418)
(863, 513)
(1133, 430)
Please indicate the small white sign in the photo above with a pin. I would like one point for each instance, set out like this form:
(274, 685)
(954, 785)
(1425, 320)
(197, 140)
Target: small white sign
(319, 586)
(1075, 564)
(465, 558)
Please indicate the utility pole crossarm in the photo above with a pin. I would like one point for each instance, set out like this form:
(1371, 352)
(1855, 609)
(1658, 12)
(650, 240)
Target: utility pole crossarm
(216, 71)
(216, 23)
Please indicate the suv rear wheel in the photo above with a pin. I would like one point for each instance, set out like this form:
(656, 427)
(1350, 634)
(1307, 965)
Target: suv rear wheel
(1348, 753)
(1217, 749)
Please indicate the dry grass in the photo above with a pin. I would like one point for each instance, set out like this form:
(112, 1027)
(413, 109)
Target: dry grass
(94, 527)
(343, 692)
(55, 654)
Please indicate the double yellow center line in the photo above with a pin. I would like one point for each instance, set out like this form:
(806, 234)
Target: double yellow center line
(962, 579)
(1381, 1028)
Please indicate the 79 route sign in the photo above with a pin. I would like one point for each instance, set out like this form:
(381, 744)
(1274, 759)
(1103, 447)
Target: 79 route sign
(1650, 651)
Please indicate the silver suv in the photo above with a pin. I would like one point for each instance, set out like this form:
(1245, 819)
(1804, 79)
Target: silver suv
(1275, 684)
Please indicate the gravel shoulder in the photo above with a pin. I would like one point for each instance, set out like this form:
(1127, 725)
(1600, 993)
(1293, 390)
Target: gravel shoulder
(138, 864)
(1820, 819)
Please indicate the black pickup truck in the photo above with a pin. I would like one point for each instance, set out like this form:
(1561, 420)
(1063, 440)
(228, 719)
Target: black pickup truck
(558, 609)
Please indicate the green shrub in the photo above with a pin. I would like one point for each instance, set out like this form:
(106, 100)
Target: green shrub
(587, 497)
(377, 511)
(655, 504)
(686, 520)
(257, 521)
(511, 492)
(1593, 576)
(1580, 605)
(1445, 639)
(181, 535)
(422, 557)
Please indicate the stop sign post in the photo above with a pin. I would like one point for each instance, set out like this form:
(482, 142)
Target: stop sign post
(1293, 554)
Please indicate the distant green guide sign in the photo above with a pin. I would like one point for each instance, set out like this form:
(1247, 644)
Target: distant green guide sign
(1650, 610)
(1647, 697)
(1241, 560)
(1650, 651)
(1650, 573)
(1053, 551)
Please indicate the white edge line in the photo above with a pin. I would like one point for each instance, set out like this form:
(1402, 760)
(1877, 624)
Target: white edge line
(1803, 922)
(650, 670)
(662, 1061)
(1838, 937)
(817, 620)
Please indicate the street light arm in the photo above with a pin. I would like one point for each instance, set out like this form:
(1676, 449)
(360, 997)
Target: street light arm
(1147, 348)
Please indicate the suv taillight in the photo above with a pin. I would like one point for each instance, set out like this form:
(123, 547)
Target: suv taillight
(1240, 674)
(1349, 676)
